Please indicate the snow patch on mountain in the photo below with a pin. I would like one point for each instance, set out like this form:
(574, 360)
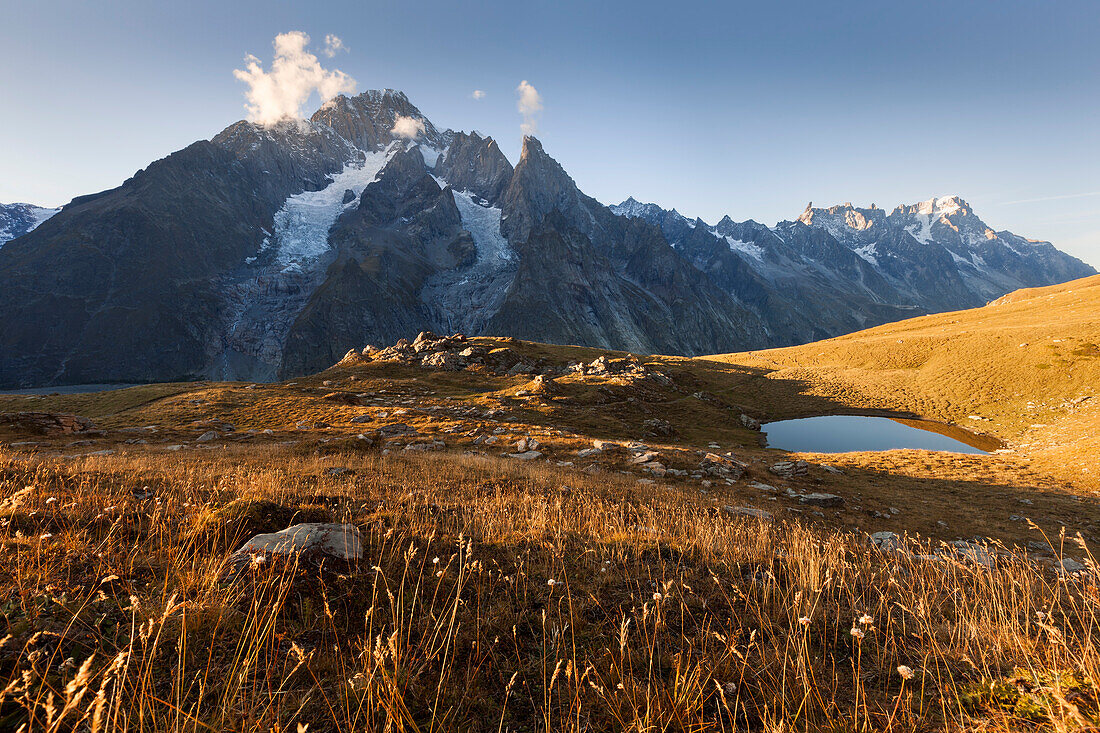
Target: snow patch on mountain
(483, 224)
(431, 155)
(303, 223)
(922, 230)
(748, 248)
(18, 219)
(868, 253)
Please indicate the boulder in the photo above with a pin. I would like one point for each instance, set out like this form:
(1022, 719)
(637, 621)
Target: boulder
(821, 499)
(789, 469)
(748, 511)
(1069, 566)
(396, 428)
(47, 423)
(750, 422)
(656, 427)
(525, 456)
(886, 541)
(723, 466)
(313, 542)
(443, 361)
(433, 445)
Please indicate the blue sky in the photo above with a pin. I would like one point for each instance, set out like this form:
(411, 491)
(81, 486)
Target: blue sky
(746, 108)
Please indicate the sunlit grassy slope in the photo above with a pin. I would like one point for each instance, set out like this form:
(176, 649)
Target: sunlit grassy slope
(1025, 368)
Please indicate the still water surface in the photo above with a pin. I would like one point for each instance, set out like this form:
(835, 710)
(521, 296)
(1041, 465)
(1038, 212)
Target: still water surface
(847, 433)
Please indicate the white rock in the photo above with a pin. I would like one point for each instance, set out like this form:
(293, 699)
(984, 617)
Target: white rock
(339, 541)
(525, 456)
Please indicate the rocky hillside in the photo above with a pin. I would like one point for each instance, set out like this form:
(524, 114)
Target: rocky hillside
(270, 251)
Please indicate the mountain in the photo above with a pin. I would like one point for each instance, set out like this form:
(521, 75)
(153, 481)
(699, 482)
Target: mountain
(18, 219)
(268, 252)
(852, 265)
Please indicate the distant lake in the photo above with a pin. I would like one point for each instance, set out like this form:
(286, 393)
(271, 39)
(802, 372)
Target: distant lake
(68, 389)
(849, 433)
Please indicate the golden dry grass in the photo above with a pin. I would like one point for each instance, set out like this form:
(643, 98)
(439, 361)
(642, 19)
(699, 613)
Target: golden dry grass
(663, 613)
(1028, 364)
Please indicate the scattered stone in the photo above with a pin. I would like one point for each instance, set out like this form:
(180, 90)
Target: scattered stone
(646, 457)
(748, 511)
(433, 445)
(362, 418)
(722, 466)
(336, 471)
(206, 437)
(1069, 566)
(789, 469)
(397, 428)
(443, 361)
(821, 499)
(973, 552)
(589, 452)
(658, 428)
(525, 456)
(886, 541)
(750, 422)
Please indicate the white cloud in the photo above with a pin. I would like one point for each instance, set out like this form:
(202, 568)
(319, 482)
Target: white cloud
(333, 45)
(408, 127)
(529, 105)
(478, 94)
(294, 76)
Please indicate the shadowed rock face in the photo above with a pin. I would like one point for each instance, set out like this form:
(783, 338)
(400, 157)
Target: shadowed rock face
(367, 120)
(477, 165)
(270, 251)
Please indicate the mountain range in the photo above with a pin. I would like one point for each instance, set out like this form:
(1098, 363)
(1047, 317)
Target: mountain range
(269, 252)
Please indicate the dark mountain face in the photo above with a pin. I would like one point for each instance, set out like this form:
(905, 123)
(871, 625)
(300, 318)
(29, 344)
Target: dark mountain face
(270, 251)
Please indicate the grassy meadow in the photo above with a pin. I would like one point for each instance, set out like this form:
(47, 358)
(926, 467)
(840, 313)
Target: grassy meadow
(570, 594)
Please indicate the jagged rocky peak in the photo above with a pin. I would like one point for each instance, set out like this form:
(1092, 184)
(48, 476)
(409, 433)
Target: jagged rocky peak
(635, 209)
(475, 164)
(368, 120)
(538, 186)
(843, 216)
(937, 207)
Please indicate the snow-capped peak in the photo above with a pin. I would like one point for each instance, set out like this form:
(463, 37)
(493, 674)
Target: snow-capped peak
(943, 206)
